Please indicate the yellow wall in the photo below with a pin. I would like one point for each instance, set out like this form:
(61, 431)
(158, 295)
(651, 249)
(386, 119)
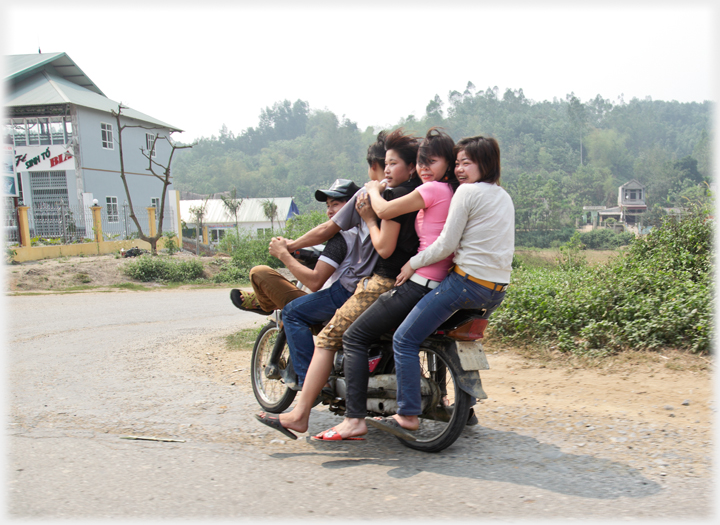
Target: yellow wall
(35, 253)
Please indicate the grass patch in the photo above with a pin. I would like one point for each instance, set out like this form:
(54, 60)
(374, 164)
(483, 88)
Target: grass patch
(131, 286)
(547, 258)
(82, 277)
(242, 340)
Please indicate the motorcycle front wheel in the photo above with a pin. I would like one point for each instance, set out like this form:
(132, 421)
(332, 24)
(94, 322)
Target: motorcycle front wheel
(442, 423)
(272, 394)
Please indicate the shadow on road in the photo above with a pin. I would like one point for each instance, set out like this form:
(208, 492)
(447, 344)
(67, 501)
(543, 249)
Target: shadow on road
(493, 455)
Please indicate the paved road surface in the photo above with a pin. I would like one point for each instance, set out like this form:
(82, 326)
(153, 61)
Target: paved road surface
(85, 369)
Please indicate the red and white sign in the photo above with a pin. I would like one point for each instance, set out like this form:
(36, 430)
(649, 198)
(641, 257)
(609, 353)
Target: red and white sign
(43, 158)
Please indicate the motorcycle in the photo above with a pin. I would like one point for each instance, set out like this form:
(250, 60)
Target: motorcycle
(450, 360)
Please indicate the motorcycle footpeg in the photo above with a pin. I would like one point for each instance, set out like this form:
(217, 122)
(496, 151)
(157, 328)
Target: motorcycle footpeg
(272, 372)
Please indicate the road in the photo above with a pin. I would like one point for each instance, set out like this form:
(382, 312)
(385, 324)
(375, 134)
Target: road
(85, 369)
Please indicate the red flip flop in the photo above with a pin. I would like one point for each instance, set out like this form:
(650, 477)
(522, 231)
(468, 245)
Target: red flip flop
(334, 435)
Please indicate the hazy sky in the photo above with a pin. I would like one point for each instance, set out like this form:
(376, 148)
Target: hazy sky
(199, 68)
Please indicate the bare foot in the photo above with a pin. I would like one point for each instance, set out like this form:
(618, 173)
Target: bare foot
(407, 422)
(351, 427)
(294, 421)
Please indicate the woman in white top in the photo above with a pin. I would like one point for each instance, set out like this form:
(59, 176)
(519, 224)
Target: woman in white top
(480, 230)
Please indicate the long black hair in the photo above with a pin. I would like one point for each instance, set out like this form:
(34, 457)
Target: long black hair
(437, 143)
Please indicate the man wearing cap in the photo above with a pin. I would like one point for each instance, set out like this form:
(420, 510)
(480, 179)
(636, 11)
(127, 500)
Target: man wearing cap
(272, 291)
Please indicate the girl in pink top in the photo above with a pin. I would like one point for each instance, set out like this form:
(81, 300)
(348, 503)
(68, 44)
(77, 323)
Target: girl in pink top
(435, 166)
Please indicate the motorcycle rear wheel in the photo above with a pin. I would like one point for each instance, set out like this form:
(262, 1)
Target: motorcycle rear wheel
(434, 435)
(272, 394)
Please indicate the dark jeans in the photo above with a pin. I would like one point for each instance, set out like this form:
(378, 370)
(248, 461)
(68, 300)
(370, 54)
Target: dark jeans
(382, 317)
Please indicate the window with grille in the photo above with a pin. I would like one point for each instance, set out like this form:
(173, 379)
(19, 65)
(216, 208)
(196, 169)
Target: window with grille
(155, 203)
(107, 135)
(111, 204)
(150, 143)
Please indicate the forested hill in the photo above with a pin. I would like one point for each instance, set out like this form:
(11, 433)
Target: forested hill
(556, 156)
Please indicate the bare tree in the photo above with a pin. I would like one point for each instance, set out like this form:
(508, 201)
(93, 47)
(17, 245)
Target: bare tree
(153, 164)
(232, 204)
(270, 210)
(198, 212)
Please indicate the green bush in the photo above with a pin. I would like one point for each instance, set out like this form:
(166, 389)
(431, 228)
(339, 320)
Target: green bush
(230, 273)
(251, 251)
(248, 250)
(659, 294)
(605, 239)
(170, 243)
(301, 224)
(157, 268)
(542, 238)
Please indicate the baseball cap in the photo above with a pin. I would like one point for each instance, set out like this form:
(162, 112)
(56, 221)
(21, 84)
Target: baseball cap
(340, 189)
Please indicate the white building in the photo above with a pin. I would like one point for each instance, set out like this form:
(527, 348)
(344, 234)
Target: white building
(251, 215)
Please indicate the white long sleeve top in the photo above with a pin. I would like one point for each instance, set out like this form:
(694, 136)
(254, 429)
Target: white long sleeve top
(480, 230)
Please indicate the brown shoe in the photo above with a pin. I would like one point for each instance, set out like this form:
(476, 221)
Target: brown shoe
(246, 301)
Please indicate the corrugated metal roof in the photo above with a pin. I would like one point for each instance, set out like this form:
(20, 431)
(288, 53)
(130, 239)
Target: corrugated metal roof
(53, 78)
(46, 89)
(251, 210)
(19, 67)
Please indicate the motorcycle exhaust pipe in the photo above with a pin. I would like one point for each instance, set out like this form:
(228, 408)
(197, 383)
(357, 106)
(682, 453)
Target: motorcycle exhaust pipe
(382, 393)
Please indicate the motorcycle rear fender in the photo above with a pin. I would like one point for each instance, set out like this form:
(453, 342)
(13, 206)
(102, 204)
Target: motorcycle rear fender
(473, 358)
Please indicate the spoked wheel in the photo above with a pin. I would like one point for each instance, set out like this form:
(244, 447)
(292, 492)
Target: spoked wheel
(442, 422)
(272, 394)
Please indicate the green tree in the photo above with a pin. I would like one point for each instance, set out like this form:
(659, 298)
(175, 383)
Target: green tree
(270, 211)
(232, 204)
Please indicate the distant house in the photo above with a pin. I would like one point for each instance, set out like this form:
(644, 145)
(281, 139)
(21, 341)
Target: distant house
(65, 148)
(631, 204)
(631, 201)
(251, 216)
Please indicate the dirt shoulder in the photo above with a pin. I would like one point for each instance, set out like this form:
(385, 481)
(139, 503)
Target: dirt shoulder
(651, 411)
(93, 272)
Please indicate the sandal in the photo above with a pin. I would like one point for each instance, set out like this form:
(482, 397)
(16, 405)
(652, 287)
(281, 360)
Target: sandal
(274, 422)
(391, 426)
(246, 301)
(333, 435)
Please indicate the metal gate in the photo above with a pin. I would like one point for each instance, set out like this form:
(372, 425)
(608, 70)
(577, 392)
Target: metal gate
(51, 215)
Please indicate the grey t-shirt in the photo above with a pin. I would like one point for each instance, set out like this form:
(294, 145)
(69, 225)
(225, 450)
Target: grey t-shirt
(361, 253)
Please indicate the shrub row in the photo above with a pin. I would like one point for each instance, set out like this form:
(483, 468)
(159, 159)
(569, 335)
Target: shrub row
(659, 294)
(248, 250)
(599, 239)
(148, 268)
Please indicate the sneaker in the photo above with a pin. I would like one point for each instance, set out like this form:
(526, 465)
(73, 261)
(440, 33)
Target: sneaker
(246, 301)
(472, 419)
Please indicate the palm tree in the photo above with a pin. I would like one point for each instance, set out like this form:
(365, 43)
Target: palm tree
(232, 205)
(198, 212)
(270, 210)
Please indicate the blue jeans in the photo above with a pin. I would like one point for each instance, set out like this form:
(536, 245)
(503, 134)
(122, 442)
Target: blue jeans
(454, 293)
(300, 314)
